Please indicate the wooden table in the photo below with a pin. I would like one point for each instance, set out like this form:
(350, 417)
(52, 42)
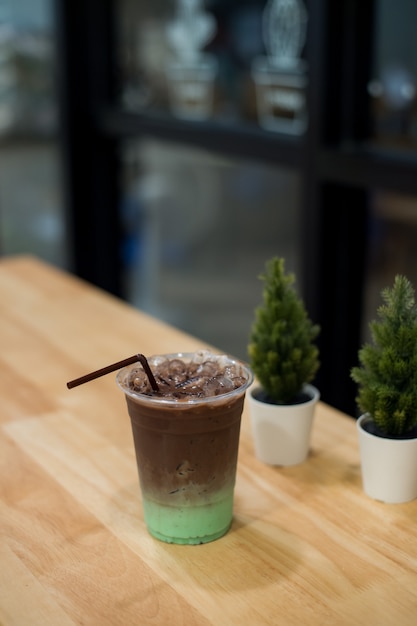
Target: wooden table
(306, 546)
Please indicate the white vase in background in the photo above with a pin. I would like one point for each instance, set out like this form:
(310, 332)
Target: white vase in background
(191, 73)
(280, 77)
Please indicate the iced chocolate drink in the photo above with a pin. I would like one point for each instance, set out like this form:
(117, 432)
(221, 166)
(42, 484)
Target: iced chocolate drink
(186, 441)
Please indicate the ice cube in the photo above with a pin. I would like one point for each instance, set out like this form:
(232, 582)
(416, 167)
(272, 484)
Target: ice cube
(194, 385)
(167, 371)
(208, 369)
(139, 383)
(201, 355)
(218, 385)
(157, 361)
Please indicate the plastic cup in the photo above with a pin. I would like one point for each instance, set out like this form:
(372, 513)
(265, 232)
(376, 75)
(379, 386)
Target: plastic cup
(186, 453)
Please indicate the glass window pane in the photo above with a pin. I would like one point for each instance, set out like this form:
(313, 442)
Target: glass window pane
(150, 33)
(392, 250)
(199, 60)
(31, 207)
(393, 86)
(31, 212)
(198, 231)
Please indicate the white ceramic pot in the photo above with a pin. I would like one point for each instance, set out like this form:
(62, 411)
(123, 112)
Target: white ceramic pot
(389, 466)
(281, 433)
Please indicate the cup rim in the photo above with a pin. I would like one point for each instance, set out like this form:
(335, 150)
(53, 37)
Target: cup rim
(182, 403)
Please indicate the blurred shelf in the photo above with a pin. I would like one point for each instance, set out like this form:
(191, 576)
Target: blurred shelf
(369, 168)
(362, 166)
(233, 139)
(17, 137)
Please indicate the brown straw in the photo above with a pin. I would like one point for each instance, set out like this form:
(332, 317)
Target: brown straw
(115, 366)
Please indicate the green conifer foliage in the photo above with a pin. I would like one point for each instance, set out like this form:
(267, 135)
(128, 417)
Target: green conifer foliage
(282, 351)
(387, 374)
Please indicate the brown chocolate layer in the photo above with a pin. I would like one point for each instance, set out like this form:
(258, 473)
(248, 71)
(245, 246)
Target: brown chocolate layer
(184, 451)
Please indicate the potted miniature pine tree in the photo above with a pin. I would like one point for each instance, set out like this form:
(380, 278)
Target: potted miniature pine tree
(285, 358)
(387, 397)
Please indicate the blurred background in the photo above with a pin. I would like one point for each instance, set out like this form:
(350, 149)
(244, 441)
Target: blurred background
(170, 186)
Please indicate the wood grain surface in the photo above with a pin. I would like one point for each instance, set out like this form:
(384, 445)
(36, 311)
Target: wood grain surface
(306, 545)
